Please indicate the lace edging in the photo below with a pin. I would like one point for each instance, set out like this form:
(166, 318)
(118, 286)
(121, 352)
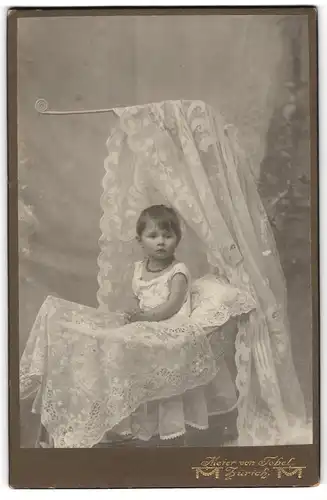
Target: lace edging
(224, 314)
(173, 436)
(197, 426)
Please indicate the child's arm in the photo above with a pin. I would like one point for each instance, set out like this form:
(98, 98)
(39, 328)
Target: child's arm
(178, 289)
(135, 309)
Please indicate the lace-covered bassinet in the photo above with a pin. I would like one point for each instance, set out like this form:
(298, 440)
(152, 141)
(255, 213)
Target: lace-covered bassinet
(181, 154)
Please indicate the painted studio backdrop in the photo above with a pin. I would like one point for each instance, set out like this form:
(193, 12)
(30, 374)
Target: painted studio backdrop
(251, 69)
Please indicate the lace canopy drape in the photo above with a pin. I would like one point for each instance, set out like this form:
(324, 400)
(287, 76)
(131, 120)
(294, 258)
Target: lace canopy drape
(181, 153)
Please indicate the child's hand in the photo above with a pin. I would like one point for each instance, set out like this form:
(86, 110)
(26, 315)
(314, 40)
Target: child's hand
(133, 315)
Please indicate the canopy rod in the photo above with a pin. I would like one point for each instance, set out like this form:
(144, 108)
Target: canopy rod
(42, 107)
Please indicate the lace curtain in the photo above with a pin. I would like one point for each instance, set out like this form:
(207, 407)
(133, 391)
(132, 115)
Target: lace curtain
(181, 153)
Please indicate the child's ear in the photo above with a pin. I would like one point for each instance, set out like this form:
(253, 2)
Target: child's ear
(138, 239)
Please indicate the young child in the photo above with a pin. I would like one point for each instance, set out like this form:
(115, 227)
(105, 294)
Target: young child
(162, 288)
(161, 284)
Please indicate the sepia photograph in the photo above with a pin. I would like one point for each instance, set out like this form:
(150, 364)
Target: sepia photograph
(164, 230)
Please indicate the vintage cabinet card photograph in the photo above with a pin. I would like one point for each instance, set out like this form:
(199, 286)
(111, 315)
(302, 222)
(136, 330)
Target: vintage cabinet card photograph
(163, 247)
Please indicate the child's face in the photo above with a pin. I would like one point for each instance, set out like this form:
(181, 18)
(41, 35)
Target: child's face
(157, 243)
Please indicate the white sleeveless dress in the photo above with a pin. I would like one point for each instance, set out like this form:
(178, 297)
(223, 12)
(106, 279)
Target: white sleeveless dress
(152, 293)
(168, 417)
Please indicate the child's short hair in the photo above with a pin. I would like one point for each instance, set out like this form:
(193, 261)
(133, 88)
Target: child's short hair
(165, 217)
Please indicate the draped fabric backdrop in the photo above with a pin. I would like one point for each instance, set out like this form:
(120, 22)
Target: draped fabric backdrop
(238, 64)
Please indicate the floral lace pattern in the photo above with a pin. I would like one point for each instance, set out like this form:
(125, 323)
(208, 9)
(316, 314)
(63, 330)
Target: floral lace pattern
(214, 302)
(89, 372)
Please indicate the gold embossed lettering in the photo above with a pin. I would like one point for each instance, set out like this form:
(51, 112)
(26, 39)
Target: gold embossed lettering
(209, 462)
